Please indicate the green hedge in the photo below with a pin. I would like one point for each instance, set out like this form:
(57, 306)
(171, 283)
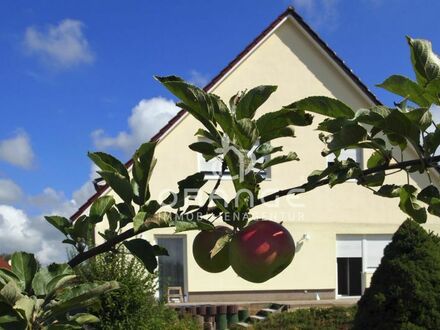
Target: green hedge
(405, 289)
(133, 306)
(333, 318)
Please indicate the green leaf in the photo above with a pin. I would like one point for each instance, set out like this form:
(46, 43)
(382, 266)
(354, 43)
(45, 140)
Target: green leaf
(431, 196)
(188, 187)
(252, 100)
(279, 160)
(266, 149)
(406, 88)
(205, 134)
(279, 133)
(160, 251)
(342, 171)
(373, 116)
(420, 117)
(81, 295)
(221, 243)
(10, 293)
(108, 163)
(113, 218)
(8, 318)
(64, 326)
(333, 125)
(200, 104)
(126, 210)
(143, 165)
(397, 123)
(25, 307)
(6, 276)
(432, 141)
(60, 223)
(389, 190)
(428, 193)
(246, 133)
(318, 175)
(120, 184)
(58, 282)
(159, 220)
(376, 159)
(325, 106)
(58, 269)
(408, 204)
(144, 251)
(426, 63)
(223, 116)
(100, 207)
(205, 148)
(41, 278)
(283, 118)
(81, 230)
(150, 208)
(220, 203)
(139, 220)
(373, 180)
(348, 136)
(24, 265)
(185, 224)
(84, 318)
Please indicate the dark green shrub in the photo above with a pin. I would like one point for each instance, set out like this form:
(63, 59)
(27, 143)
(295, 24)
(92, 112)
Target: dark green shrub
(405, 289)
(333, 318)
(133, 306)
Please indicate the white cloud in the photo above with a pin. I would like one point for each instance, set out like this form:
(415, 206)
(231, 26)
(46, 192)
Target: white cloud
(15, 230)
(146, 119)
(19, 232)
(51, 201)
(17, 151)
(321, 13)
(10, 192)
(197, 78)
(63, 45)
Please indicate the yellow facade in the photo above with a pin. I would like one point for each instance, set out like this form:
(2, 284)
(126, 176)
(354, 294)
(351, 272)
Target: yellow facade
(289, 58)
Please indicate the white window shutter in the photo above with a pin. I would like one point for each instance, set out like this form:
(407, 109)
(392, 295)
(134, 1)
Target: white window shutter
(375, 247)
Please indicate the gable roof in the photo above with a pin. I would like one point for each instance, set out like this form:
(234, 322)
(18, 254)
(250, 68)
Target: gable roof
(288, 13)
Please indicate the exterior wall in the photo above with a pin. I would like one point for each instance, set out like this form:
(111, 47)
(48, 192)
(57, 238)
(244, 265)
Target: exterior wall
(290, 60)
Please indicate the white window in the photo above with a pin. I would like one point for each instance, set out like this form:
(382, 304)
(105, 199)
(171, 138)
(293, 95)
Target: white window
(349, 246)
(211, 168)
(368, 247)
(374, 246)
(355, 154)
(357, 255)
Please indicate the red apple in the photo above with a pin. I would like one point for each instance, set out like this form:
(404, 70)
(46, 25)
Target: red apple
(202, 246)
(260, 251)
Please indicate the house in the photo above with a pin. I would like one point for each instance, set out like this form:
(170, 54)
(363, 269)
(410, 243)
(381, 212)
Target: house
(340, 232)
(4, 263)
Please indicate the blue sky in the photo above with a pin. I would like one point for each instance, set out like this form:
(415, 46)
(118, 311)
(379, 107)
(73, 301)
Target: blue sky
(73, 73)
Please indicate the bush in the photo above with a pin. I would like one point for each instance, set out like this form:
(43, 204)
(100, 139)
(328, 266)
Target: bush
(405, 289)
(333, 318)
(133, 306)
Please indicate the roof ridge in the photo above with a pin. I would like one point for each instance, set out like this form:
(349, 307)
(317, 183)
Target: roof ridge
(290, 10)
